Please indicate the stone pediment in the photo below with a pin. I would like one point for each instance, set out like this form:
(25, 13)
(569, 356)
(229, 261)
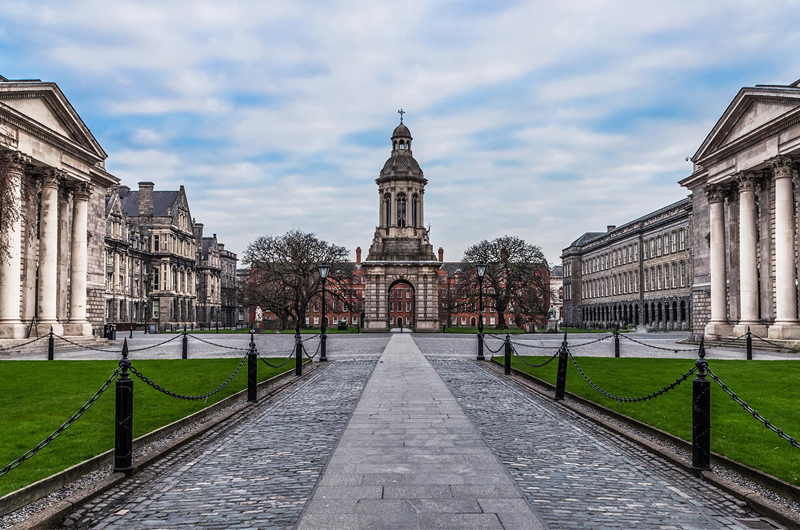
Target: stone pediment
(752, 112)
(43, 109)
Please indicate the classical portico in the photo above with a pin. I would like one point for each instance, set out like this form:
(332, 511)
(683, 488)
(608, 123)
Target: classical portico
(401, 251)
(54, 168)
(746, 218)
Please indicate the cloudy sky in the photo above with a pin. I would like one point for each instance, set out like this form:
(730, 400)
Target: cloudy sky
(537, 119)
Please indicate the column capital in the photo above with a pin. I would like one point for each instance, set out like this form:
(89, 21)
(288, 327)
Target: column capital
(17, 159)
(781, 166)
(51, 178)
(715, 193)
(747, 181)
(82, 191)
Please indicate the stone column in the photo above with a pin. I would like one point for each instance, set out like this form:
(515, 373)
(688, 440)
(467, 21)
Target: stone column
(786, 325)
(78, 324)
(718, 324)
(48, 252)
(748, 258)
(31, 249)
(11, 326)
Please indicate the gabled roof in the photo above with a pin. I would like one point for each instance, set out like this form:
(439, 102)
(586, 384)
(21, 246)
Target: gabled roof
(42, 104)
(753, 112)
(163, 202)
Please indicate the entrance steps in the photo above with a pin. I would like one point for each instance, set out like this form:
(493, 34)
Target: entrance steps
(9, 347)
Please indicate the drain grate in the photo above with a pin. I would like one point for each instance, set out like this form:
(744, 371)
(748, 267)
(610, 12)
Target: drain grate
(758, 524)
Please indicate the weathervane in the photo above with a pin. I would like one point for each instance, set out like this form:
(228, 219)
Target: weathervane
(401, 112)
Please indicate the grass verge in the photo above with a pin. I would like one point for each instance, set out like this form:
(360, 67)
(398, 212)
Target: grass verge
(36, 397)
(486, 329)
(768, 386)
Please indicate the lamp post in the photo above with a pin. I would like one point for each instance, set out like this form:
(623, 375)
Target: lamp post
(481, 267)
(323, 275)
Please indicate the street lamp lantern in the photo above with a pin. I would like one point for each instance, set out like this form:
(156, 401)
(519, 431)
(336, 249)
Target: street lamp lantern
(323, 338)
(481, 269)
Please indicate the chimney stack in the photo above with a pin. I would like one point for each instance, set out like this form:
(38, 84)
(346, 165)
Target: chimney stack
(123, 191)
(358, 255)
(611, 227)
(441, 255)
(146, 199)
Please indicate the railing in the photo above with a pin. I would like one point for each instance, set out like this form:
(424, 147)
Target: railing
(123, 435)
(701, 390)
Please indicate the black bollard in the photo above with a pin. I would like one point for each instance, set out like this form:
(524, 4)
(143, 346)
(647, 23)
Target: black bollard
(298, 356)
(480, 347)
(749, 345)
(217, 324)
(323, 348)
(51, 345)
(701, 414)
(123, 432)
(561, 376)
(192, 326)
(252, 372)
(185, 344)
(131, 335)
(507, 352)
(616, 341)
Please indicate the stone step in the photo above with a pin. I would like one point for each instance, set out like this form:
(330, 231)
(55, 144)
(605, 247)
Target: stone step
(9, 347)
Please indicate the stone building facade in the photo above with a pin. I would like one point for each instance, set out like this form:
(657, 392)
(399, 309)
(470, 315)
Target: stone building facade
(401, 252)
(744, 194)
(230, 299)
(159, 269)
(55, 168)
(638, 273)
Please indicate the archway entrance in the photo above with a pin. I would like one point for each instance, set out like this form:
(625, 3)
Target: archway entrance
(401, 302)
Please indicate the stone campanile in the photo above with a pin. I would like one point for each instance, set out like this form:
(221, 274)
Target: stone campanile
(401, 252)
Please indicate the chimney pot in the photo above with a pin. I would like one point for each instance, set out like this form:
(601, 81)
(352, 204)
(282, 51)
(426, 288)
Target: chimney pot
(358, 255)
(611, 227)
(441, 255)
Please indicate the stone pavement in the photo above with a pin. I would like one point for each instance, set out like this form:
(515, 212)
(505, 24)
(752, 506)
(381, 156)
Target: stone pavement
(257, 473)
(410, 458)
(579, 475)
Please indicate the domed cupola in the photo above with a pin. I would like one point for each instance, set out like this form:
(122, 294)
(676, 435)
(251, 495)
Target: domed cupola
(401, 163)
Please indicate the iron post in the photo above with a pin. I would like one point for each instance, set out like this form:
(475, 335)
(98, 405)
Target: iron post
(298, 355)
(749, 345)
(131, 335)
(480, 319)
(51, 345)
(701, 414)
(561, 376)
(185, 344)
(123, 431)
(507, 352)
(252, 372)
(323, 338)
(616, 340)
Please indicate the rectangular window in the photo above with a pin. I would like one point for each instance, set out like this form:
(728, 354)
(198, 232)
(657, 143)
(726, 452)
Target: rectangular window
(491, 321)
(674, 275)
(683, 239)
(335, 319)
(674, 242)
(463, 321)
(636, 252)
(155, 243)
(683, 273)
(307, 321)
(658, 247)
(316, 321)
(652, 248)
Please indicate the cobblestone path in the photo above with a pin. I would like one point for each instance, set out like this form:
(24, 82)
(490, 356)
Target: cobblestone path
(577, 474)
(410, 459)
(258, 472)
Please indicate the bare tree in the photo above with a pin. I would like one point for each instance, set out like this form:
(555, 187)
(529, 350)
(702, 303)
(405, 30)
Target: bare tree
(283, 272)
(517, 279)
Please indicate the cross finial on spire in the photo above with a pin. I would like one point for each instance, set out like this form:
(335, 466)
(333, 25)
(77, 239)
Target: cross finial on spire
(401, 112)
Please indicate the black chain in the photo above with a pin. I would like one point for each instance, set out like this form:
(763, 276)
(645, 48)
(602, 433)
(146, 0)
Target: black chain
(64, 426)
(521, 345)
(204, 397)
(591, 341)
(637, 399)
(312, 337)
(651, 346)
(265, 361)
(87, 347)
(154, 345)
(315, 353)
(726, 341)
(486, 345)
(529, 365)
(781, 346)
(768, 424)
(23, 344)
(214, 343)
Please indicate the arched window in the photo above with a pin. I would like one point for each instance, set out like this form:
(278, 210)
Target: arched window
(414, 211)
(387, 205)
(401, 209)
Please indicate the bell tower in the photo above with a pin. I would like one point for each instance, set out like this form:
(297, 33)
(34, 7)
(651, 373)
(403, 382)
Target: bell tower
(401, 250)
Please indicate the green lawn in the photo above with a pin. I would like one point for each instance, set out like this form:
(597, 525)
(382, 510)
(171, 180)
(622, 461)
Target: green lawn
(486, 330)
(330, 331)
(36, 397)
(198, 331)
(770, 387)
(579, 330)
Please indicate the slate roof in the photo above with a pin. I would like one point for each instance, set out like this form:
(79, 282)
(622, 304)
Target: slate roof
(162, 201)
(557, 270)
